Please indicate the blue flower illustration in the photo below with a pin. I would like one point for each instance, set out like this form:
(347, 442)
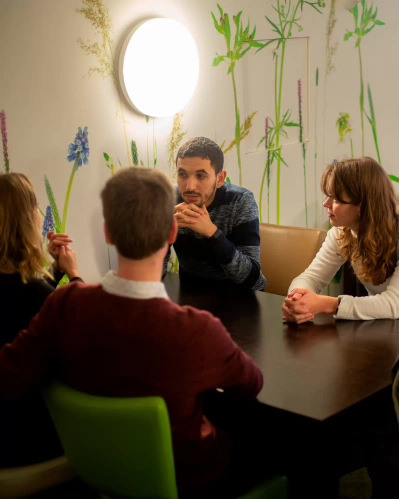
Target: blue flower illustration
(48, 224)
(79, 151)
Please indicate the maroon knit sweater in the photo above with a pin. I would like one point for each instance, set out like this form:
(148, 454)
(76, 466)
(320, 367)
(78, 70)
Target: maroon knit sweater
(108, 345)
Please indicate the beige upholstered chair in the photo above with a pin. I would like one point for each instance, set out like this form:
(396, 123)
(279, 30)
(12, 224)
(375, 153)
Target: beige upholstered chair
(285, 252)
(28, 480)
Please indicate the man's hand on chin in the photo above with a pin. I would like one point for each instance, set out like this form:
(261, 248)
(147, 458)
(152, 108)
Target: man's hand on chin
(190, 216)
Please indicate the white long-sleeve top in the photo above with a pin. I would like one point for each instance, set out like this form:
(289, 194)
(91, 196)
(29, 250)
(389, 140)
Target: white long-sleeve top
(382, 302)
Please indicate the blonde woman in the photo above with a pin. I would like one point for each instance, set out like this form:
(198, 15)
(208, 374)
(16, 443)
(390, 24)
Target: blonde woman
(362, 207)
(25, 283)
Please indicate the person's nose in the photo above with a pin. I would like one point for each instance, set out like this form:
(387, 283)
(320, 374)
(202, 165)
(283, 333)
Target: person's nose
(327, 203)
(191, 184)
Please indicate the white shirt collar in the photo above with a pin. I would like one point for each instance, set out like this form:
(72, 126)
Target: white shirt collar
(115, 285)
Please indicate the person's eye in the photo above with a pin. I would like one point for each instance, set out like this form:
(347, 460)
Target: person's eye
(181, 174)
(201, 177)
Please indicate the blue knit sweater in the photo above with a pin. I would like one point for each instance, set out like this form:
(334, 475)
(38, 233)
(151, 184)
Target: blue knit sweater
(234, 256)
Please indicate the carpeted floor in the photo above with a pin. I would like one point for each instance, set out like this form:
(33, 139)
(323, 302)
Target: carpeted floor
(356, 485)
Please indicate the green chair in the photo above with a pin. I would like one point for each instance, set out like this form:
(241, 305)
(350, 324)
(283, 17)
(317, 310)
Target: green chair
(122, 447)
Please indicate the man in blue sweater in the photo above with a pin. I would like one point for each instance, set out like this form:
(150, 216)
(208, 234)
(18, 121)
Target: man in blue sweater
(218, 222)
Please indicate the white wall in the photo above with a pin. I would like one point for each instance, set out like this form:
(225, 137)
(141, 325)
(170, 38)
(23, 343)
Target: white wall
(46, 93)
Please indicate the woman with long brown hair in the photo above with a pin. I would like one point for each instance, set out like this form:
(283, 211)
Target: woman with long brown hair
(362, 207)
(28, 436)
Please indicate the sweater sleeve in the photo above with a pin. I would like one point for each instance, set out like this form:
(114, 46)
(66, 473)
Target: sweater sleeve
(57, 276)
(226, 366)
(239, 256)
(25, 362)
(324, 266)
(379, 306)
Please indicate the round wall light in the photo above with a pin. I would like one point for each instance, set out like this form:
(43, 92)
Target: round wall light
(159, 67)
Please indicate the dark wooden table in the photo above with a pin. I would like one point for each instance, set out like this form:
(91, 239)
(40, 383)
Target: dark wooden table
(317, 370)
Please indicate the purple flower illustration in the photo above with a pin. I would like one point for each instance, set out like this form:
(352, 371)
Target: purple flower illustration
(300, 111)
(3, 126)
(48, 224)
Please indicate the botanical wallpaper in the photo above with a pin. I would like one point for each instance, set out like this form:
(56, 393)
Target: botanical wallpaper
(285, 87)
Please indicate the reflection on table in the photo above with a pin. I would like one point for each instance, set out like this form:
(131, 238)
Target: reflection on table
(315, 370)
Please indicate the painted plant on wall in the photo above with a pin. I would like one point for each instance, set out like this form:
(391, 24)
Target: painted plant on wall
(174, 142)
(48, 223)
(154, 143)
(78, 152)
(365, 21)
(4, 139)
(345, 129)
(287, 17)
(266, 172)
(237, 46)
(244, 132)
(304, 147)
(316, 147)
(98, 14)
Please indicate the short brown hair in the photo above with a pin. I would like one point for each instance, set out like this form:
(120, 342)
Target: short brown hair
(204, 148)
(138, 208)
(21, 245)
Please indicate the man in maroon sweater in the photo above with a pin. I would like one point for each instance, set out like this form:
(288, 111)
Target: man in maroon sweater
(125, 338)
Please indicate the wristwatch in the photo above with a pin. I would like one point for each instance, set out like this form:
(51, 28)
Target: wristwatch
(216, 234)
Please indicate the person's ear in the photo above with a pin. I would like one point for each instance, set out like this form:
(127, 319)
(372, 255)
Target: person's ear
(107, 236)
(173, 232)
(221, 177)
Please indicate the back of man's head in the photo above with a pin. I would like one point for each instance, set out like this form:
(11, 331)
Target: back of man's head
(204, 148)
(138, 208)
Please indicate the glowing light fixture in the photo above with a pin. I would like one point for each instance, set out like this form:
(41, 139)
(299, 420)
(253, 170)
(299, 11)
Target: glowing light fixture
(159, 67)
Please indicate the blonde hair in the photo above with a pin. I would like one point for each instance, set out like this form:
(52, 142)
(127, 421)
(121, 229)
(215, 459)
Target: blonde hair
(21, 246)
(366, 183)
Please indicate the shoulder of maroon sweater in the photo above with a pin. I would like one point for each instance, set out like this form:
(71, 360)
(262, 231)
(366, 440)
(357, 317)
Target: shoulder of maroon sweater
(74, 290)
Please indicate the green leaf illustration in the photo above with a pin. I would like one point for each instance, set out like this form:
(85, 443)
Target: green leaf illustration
(217, 60)
(135, 154)
(227, 31)
(218, 28)
(275, 27)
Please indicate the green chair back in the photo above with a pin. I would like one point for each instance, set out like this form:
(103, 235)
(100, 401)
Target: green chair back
(119, 446)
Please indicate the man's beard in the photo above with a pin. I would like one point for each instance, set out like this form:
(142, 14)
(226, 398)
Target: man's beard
(201, 201)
